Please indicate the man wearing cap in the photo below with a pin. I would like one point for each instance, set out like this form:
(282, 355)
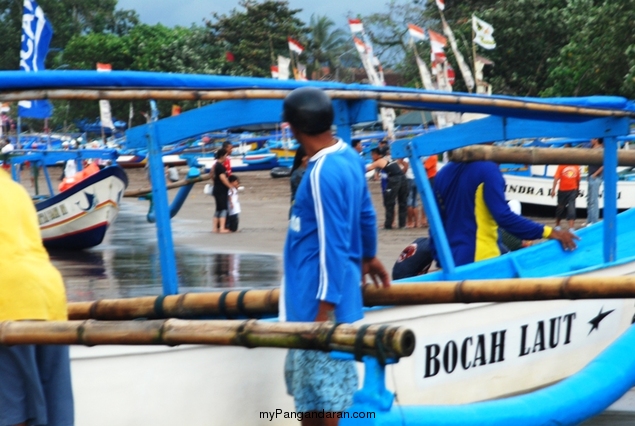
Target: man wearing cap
(331, 243)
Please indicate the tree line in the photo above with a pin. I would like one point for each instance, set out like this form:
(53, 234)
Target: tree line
(544, 47)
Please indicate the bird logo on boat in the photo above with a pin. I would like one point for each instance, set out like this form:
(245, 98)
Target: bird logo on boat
(91, 200)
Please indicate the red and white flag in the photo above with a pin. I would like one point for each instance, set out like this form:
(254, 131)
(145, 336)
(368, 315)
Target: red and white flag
(416, 32)
(441, 4)
(356, 25)
(104, 106)
(274, 71)
(103, 67)
(449, 74)
(295, 46)
(437, 44)
(361, 47)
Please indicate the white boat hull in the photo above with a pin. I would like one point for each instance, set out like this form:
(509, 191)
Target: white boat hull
(79, 217)
(537, 190)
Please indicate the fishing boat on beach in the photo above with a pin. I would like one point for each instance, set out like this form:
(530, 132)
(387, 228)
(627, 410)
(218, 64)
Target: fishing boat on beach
(474, 343)
(78, 216)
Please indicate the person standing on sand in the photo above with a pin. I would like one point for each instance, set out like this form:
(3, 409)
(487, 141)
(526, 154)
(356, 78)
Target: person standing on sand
(220, 192)
(430, 164)
(594, 176)
(568, 176)
(331, 244)
(35, 380)
(396, 189)
(234, 204)
(471, 201)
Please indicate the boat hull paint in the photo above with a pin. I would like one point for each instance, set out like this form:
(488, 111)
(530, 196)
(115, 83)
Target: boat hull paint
(537, 190)
(79, 217)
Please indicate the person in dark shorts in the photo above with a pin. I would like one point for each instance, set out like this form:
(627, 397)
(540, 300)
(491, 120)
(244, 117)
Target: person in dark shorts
(35, 380)
(220, 192)
(568, 178)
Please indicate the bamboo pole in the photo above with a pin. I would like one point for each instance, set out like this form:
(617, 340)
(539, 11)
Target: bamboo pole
(188, 305)
(143, 191)
(265, 302)
(377, 340)
(381, 96)
(499, 154)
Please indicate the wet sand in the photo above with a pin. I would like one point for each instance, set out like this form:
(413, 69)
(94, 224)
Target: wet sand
(263, 219)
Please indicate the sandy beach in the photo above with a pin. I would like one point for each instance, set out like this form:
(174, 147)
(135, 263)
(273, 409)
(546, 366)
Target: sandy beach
(263, 219)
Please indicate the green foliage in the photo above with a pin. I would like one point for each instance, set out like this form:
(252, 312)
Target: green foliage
(599, 56)
(325, 46)
(256, 36)
(69, 18)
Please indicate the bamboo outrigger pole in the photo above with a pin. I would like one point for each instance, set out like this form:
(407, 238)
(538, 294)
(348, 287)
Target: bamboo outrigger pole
(538, 155)
(381, 96)
(377, 340)
(265, 302)
(143, 191)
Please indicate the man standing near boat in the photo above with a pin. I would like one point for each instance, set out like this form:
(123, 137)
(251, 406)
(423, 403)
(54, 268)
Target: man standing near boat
(594, 176)
(331, 244)
(35, 382)
(568, 176)
(471, 201)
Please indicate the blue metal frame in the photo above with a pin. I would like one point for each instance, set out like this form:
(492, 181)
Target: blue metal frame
(494, 129)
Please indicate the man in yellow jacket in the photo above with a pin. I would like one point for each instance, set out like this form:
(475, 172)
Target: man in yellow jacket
(35, 385)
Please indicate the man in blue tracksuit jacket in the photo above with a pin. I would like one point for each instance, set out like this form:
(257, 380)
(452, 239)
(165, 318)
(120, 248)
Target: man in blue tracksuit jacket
(331, 242)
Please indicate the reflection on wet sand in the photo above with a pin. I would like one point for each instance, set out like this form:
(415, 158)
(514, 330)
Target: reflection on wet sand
(127, 264)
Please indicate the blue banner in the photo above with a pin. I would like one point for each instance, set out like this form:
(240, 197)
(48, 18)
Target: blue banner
(36, 36)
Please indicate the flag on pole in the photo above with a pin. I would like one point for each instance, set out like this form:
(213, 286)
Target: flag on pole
(437, 45)
(274, 71)
(104, 105)
(483, 33)
(283, 67)
(416, 32)
(440, 4)
(36, 37)
(295, 46)
(361, 47)
(426, 77)
(463, 66)
(356, 25)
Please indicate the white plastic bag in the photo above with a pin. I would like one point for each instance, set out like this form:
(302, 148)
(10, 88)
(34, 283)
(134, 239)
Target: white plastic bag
(207, 190)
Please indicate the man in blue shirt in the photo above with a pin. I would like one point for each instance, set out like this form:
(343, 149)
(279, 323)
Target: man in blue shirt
(331, 244)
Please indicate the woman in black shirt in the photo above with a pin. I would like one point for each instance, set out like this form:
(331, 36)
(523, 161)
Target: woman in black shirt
(221, 188)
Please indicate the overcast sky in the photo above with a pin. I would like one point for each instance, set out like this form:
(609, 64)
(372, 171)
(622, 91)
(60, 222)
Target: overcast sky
(187, 12)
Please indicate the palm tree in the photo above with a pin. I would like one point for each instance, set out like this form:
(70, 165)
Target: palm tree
(325, 46)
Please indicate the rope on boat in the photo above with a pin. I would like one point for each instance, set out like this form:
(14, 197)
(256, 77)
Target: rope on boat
(375, 340)
(499, 154)
(147, 190)
(259, 302)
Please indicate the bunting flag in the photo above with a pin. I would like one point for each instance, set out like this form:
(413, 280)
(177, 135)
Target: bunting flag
(440, 4)
(463, 66)
(295, 46)
(361, 47)
(416, 32)
(437, 45)
(274, 71)
(36, 37)
(449, 74)
(483, 33)
(283, 67)
(104, 105)
(356, 25)
(426, 77)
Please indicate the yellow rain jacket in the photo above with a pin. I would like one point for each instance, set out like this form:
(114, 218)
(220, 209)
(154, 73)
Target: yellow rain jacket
(30, 286)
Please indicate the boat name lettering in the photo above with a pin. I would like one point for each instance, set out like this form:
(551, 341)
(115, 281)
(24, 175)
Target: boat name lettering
(483, 349)
(541, 191)
(451, 357)
(52, 213)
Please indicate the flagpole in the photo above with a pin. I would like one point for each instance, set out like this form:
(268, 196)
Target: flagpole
(474, 52)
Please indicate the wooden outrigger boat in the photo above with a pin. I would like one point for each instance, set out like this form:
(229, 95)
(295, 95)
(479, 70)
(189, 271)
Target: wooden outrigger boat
(464, 354)
(78, 217)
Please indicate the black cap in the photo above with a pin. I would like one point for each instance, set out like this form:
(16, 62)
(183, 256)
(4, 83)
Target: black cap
(308, 110)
